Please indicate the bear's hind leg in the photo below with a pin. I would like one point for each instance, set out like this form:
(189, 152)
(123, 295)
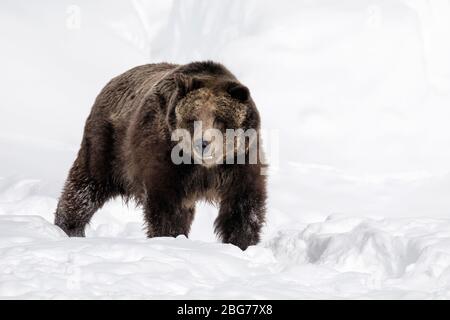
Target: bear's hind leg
(81, 198)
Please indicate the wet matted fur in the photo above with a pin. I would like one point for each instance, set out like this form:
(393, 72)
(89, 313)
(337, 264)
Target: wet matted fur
(126, 151)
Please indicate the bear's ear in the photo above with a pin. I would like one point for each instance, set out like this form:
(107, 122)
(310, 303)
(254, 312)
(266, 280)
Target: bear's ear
(186, 84)
(238, 91)
(183, 85)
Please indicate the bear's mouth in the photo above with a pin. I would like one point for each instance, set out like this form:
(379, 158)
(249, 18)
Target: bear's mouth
(205, 155)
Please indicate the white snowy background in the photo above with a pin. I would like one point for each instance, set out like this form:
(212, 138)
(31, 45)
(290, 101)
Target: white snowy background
(357, 92)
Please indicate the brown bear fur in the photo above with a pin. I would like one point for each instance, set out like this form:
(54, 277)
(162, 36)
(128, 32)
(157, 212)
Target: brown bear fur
(126, 148)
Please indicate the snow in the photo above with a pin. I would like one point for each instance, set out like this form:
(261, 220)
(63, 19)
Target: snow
(335, 258)
(357, 94)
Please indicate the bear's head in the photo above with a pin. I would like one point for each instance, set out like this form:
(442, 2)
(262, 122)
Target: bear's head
(220, 117)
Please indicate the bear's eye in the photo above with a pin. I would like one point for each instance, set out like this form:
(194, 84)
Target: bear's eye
(190, 121)
(220, 124)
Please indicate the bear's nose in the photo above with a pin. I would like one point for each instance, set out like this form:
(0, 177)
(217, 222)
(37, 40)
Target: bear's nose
(202, 145)
(205, 144)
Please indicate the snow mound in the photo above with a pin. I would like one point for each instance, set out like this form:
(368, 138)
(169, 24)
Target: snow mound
(412, 253)
(340, 257)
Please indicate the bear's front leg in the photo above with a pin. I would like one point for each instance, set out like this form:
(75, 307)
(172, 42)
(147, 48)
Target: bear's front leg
(167, 217)
(242, 213)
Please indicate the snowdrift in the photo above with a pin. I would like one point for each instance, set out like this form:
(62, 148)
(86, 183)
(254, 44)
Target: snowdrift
(340, 257)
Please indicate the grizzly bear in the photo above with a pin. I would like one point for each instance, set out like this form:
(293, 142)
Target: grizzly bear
(127, 150)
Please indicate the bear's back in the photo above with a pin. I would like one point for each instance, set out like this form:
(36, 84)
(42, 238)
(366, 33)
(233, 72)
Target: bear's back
(126, 91)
